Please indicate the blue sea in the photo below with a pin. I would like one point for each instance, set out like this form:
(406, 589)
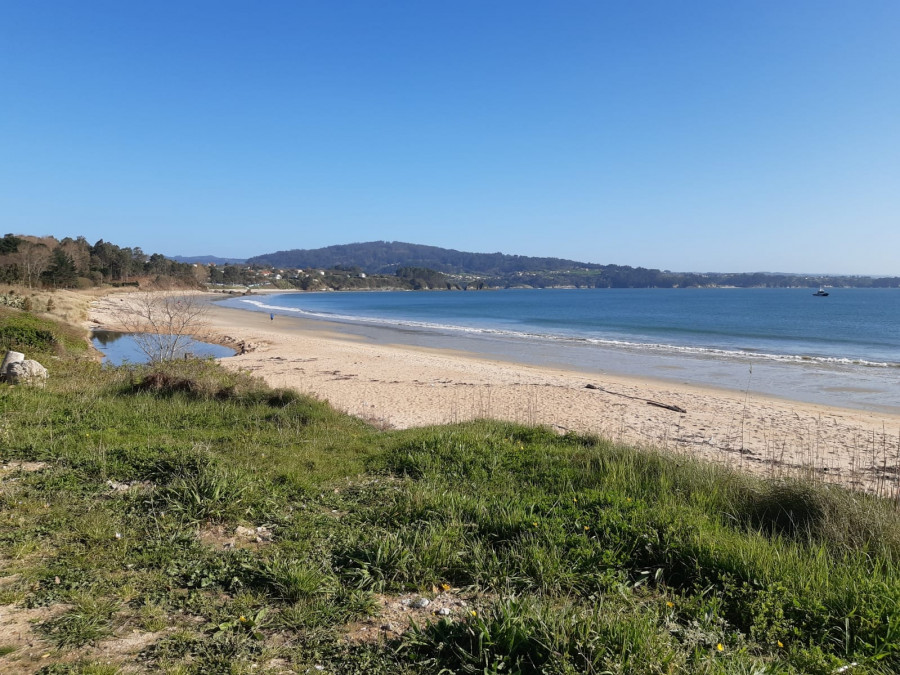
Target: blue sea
(843, 349)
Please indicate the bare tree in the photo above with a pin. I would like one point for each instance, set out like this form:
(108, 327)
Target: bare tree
(163, 322)
(33, 259)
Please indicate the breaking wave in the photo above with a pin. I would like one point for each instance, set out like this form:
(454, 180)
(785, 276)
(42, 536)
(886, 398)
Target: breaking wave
(655, 347)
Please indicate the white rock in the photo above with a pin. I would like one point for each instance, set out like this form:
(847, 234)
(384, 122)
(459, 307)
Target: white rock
(10, 358)
(420, 603)
(26, 372)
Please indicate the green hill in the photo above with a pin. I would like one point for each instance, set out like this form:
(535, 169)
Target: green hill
(379, 257)
(502, 270)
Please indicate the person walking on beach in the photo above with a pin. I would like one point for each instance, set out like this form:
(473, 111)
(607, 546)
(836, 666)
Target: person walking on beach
(271, 316)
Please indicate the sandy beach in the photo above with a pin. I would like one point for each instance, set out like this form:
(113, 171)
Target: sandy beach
(399, 386)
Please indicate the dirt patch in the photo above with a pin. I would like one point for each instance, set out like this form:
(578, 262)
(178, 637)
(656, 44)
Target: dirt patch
(31, 651)
(18, 632)
(9, 580)
(218, 536)
(22, 466)
(122, 649)
(397, 612)
(126, 486)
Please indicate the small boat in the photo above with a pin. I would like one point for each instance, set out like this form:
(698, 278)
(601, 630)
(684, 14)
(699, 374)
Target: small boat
(821, 293)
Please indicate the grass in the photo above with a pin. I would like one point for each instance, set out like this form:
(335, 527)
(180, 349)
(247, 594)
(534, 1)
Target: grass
(573, 554)
(38, 336)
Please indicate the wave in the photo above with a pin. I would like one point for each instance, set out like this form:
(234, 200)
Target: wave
(656, 347)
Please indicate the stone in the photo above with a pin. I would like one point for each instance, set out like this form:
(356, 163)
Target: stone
(26, 372)
(444, 611)
(420, 603)
(10, 358)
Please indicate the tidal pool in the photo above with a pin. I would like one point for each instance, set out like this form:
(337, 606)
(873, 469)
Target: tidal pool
(119, 348)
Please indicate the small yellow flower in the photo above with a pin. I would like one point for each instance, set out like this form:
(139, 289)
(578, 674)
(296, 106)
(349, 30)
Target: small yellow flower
(627, 499)
(670, 604)
(243, 618)
(779, 644)
(473, 612)
(535, 524)
(575, 499)
(446, 587)
(720, 647)
(586, 528)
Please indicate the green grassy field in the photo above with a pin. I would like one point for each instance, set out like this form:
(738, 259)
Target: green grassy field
(131, 498)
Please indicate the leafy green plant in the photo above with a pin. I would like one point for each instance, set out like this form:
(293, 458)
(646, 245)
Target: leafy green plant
(250, 625)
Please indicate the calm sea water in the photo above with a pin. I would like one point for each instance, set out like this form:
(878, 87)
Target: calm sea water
(843, 349)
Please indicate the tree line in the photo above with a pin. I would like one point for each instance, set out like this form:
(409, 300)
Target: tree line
(75, 263)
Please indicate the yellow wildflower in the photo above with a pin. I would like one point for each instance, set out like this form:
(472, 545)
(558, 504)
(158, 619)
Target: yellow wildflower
(670, 604)
(779, 644)
(720, 647)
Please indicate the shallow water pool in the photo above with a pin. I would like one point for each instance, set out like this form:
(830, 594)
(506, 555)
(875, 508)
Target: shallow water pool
(119, 348)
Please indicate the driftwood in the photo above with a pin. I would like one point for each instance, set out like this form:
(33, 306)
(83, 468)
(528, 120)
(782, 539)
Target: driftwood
(667, 406)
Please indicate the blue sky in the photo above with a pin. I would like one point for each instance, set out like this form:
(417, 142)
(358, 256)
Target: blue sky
(691, 136)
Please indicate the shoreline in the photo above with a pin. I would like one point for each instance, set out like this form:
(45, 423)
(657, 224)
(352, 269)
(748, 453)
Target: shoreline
(796, 377)
(401, 386)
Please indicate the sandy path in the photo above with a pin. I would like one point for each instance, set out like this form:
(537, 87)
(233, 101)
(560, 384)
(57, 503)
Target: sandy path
(400, 386)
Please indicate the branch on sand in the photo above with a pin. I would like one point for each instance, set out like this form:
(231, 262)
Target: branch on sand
(667, 406)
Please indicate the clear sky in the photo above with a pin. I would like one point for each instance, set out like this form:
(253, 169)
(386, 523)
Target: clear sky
(690, 136)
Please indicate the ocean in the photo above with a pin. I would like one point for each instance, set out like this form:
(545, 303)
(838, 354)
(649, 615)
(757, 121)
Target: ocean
(843, 349)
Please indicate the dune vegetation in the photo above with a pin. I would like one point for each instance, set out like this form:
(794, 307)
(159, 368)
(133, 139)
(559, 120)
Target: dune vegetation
(181, 518)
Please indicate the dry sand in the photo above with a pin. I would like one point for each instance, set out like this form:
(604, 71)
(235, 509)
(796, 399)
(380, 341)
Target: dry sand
(399, 386)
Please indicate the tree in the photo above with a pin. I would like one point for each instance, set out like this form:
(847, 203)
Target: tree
(80, 253)
(33, 260)
(163, 322)
(9, 243)
(61, 272)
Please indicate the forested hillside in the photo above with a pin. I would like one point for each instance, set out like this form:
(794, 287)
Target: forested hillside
(501, 270)
(378, 257)
(74, 263)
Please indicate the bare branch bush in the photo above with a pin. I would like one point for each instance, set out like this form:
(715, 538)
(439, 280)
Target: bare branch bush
(162, 323)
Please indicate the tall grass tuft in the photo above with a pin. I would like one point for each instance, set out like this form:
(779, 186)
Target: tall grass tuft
(194, 485)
